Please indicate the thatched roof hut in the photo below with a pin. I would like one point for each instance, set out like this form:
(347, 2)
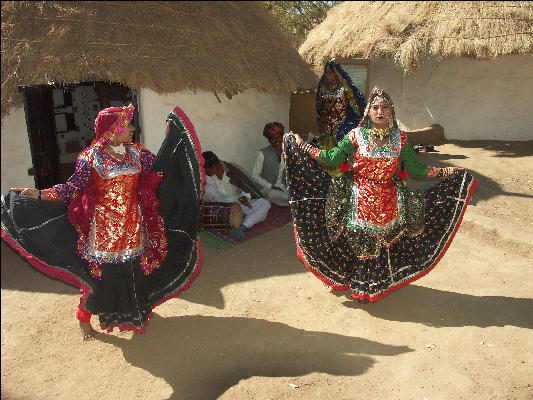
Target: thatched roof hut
(465, 65)
(410, 31)
(70, 59)
(163, 46)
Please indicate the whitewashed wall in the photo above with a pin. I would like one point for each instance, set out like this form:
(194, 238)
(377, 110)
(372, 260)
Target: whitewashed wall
(232, 129)
(471, 99)
(16, 155)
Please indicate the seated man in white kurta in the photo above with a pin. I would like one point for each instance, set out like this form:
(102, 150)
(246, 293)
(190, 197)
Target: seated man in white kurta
(226, 183)
(269, 168)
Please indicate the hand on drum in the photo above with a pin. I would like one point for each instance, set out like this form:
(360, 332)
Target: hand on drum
(30, 192)
(244, 201)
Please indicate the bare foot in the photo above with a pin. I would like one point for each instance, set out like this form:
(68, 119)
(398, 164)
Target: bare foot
(87, 331)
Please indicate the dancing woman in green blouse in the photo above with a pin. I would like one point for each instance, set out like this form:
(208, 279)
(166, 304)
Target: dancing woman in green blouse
(366, 231)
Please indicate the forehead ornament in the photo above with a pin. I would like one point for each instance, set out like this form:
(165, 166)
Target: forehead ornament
(379, 98)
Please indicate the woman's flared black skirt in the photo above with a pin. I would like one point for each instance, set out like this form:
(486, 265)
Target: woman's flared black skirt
(42, 233)
(397, 263)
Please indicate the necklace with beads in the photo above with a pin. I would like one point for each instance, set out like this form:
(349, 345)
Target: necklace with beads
(331, 88)
(382, 133)
(120, 149)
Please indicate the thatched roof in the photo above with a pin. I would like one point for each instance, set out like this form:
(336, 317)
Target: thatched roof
(164, 46)
(409, 31)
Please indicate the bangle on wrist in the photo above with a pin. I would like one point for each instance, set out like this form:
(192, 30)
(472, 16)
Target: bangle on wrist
(39, 194)
(445, 172)
(311, 150)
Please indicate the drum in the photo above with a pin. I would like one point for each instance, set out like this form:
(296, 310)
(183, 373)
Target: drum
(219, 216)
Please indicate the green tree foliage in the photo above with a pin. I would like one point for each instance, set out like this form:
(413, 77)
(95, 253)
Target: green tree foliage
(297, 18)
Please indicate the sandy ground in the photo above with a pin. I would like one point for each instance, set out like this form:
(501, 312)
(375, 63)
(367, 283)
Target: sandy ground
(257, 325)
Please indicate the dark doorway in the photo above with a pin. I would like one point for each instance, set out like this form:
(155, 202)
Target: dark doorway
(60, 122)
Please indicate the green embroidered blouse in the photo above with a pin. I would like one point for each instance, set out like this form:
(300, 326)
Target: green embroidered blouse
(345, 148)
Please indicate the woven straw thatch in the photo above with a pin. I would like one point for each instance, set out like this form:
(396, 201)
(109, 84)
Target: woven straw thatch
(409, 31)
(224, 47)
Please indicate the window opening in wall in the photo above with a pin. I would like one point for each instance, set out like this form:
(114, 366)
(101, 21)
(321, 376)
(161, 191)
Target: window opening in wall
(358, 70)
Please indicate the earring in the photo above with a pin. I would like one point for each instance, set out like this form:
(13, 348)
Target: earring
(391, 123)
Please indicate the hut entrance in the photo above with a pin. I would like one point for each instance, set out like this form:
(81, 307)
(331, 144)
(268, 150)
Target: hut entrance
(60, 122)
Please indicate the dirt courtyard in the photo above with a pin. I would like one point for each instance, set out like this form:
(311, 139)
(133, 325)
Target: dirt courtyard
(257, 325)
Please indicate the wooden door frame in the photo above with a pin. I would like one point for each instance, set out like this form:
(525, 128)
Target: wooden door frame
(40, 123)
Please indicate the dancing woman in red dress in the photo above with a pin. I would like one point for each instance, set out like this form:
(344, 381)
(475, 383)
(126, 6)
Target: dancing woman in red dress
(124, 226)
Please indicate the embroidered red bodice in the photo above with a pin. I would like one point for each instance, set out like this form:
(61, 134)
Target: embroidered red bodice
(335, 108)
(376, 202)
(114, 208)
(116, 228)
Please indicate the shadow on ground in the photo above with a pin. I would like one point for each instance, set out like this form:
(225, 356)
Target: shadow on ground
(220, 268)
(201, 356)
(503, 149)
(18, 274)
(487, 188)
(439, 308)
